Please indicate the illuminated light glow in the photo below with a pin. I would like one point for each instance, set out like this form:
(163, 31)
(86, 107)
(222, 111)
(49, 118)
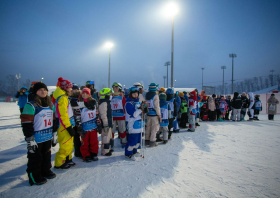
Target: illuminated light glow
(171, 9)
(109, 45)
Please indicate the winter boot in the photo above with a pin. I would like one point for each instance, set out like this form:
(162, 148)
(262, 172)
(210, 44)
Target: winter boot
(88, 159)
(70, 162)
(39, 180)
(48, 174)
(131, 157)
(158, 138)
(251, 119)
(108, 154)
(196, 124)
(94, 156)
(63, 166)
(191, 130)
(153, 144)
(165, 141)
(147, 142)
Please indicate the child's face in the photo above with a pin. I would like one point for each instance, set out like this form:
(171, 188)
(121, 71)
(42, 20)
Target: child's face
(42, 93)
(85, 95)
(116, 89)
(68, 91)
(135, 95)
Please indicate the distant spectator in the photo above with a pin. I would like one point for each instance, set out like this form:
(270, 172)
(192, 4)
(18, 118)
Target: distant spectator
(22, 96)
(272, 106)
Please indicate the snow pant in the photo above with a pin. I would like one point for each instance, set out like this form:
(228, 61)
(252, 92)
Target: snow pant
(21, 110)
(152, 128)
(66, 147)
(132, 144)
(251, 113)
(175, 123)
(164, 131)
(218, 113)
(197, 118)
(77, 142)
(192, 122)
(89, 143)
(171, 126)
(183, 120)
(122, 129)
(39, 162)
(236, 113)
(223, 113)
(270, 117)
(243, 113)
(212, 115)
(256, 113)
(227, 115)
(107, 141)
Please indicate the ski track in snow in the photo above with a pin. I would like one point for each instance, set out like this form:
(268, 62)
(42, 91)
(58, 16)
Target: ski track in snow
(226, 159)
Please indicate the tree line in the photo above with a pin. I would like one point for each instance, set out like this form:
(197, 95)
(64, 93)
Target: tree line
(9, 86)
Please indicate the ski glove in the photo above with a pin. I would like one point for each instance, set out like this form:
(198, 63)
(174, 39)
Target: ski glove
(54, 139)
(31, 144)
(71, 131)
(106, 130)
(83, 133)
(99, 126)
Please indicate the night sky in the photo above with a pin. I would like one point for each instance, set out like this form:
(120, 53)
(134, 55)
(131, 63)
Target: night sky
(53, 39)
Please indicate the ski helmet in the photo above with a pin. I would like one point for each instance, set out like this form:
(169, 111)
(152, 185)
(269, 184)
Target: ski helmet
(90, 82)
(105, 92)
(162, 96)
(133, 90)
(170, 91)
(139, 85)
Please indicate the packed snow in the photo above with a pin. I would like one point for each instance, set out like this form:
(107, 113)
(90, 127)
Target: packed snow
(221, 159)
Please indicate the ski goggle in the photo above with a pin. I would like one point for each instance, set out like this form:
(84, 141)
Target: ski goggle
(134, 89)
(115, 85)
(90, 82)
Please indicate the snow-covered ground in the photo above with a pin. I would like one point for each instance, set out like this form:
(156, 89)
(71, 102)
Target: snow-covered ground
(226, 159)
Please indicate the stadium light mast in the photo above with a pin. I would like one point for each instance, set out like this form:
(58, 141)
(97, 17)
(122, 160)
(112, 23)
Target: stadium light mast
(232, 56)
(18, 77)
(167, 64)
(164, 77)
(109, 46)
(202, 77)
(272, 75)
(223, 68)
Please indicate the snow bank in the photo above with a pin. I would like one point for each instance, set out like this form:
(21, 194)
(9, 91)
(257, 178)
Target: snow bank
(229, 159)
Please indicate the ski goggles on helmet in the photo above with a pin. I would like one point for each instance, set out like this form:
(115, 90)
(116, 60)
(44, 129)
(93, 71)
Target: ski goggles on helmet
(90, 82)
(115, 84)
(134, 89)
(105, 92)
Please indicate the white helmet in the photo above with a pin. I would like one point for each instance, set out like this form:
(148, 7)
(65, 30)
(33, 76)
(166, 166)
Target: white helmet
(139, 85)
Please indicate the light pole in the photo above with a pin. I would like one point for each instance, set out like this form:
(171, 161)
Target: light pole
(18, 77)
(172, 11)
(223, 68)
(167, 64)
(174, 83)
(202, 77)
(109, 45)
(272, 76)
(226, 85)
(164, 77)
(232, 56)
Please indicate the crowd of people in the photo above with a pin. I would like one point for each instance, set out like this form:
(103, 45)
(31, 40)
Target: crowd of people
(74, 116)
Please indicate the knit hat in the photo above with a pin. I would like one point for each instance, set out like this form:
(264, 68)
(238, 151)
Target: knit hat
(181, 94)
(214, 95)
(162, 89)
(153, 87)
(75, 86)
(162, 96)
(86, 90)
(38, 86)
(64, 84)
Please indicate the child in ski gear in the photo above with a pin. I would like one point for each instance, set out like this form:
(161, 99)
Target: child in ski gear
(172, 122)
(272, 106)
(153, 116)
(212, 109)
(64, 113)
(204, 109)
(199, 104)
(250, 108)
(90, 85)
(161, 90)
(177, 104)
(236, 105)
(165, 111)
(223, 109)
(141, 90)
(88, 127)
(38, 126)
(192, 110)
(77, 116)
(22, 96)
(245, 105)
(183, 110)
(135, 111)
(257, 107)
(228, 101)
(118, 108)
(217, 102)
(105, 112)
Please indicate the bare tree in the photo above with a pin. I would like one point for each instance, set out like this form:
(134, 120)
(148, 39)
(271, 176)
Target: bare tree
(11, 85)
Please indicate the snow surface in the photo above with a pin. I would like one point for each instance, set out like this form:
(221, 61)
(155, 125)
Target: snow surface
(226, 159)
(267, 90)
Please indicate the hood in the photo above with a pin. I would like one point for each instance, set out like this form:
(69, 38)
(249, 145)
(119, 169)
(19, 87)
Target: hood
(202, 93)
(218, 95)
(236, 94)
(193, 95)
(24, 88)
(251, 95)
(150, 95)
(58, 92)
(210, 99)
(162, 102)
(132, 100)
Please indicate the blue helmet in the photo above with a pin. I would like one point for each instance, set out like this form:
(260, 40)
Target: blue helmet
(170, 91)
